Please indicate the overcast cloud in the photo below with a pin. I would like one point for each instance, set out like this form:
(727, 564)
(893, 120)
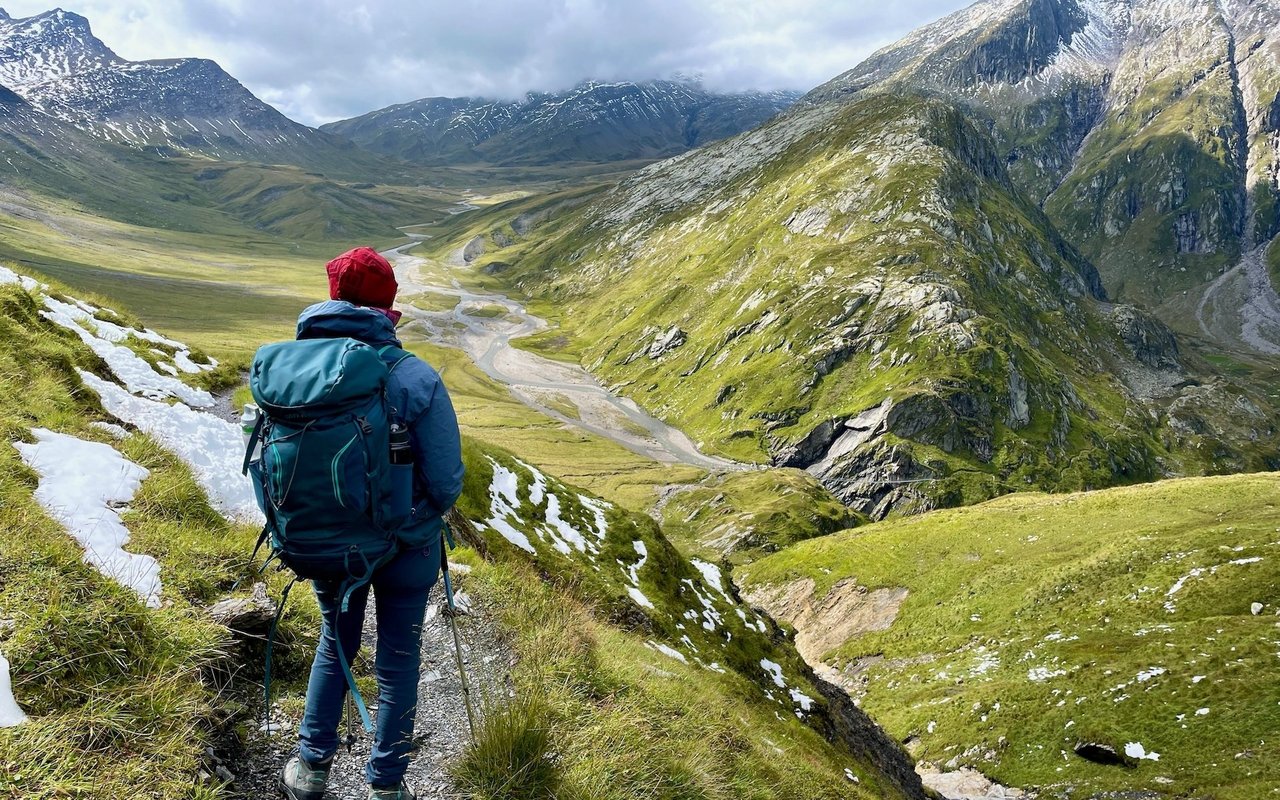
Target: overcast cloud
(321, 60)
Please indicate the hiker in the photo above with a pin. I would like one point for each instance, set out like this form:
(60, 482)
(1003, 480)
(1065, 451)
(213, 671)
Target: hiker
(363, 288)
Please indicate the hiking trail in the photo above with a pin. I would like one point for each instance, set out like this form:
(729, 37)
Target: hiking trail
(441, 732)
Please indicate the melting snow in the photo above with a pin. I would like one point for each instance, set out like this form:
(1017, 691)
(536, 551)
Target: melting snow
(563, 534)
(1148, 674)
(9, 276)
(597, 508)
(1136, 750)
(503, 503)
(212, 447)
(1170, 606)
(130, 368)
(10, 713)
(775, 671)
(634, 575)
(711, 576)
(82, 484)
(669, 651)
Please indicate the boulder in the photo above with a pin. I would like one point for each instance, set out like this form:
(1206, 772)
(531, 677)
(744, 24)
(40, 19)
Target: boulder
(1150, 341)
(668, 340)
(246, 616)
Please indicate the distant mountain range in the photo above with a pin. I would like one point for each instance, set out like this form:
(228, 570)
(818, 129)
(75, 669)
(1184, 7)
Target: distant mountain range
(593, 122)
(191, 106)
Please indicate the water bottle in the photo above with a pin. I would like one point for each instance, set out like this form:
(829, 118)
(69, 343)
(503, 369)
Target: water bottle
(401, 457)
(249, 421)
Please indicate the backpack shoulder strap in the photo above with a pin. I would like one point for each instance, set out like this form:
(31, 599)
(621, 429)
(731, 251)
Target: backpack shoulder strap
(393, 356)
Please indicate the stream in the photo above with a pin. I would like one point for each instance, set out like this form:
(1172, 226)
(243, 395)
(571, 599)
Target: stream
(548, 386)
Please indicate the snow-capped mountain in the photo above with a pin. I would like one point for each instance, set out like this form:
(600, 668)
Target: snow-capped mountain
(187, 105)
(594, 122)
(1149, 130)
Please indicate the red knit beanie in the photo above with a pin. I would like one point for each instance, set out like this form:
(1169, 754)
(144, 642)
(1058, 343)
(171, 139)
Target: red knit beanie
(362, 277)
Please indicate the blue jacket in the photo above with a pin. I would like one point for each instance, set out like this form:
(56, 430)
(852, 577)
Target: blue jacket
(418, 396)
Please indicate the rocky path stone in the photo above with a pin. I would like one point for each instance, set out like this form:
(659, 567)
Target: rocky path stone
(441, 731)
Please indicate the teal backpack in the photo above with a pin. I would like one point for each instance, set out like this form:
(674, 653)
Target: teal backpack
(332, 499)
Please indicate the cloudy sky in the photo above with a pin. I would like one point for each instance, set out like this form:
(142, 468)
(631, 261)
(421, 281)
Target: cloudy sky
(321, 60)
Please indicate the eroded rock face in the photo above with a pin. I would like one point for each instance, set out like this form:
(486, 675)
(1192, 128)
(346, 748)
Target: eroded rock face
(473, 250)
(846, 611)
(1149, 339)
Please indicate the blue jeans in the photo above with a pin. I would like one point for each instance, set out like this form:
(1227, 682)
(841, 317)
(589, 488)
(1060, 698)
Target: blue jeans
(401, 587)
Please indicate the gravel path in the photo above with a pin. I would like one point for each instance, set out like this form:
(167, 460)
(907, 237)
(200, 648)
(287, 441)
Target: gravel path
(441, 731)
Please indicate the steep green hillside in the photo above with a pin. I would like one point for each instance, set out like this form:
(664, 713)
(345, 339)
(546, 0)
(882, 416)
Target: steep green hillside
(697, 678)
(1157, 195)
(118, 695)
(1004, 635)
(858, 289)
(1147, 131)
(741, 515)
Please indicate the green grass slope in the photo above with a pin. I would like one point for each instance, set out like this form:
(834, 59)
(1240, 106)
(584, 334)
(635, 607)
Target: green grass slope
(119, 696)
(1033, 623)
(860, 289)
(653, 677)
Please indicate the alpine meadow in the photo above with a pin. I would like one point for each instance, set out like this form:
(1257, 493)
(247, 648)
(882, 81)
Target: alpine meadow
(907, 432)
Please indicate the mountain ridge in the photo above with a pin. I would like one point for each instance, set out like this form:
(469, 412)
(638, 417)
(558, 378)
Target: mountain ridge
(172, 106)
(1146, 130)
(594, 121)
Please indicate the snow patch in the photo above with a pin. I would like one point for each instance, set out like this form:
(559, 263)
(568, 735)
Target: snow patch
(775, 671)
(638, 597)
(130, 368)
(711, 576)
(1136, 750)
(10, 712)
(82, 486)
(503, 503)
(212, 447)
(669, 651)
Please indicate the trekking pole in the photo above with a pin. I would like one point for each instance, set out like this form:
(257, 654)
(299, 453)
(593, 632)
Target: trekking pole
(457, 642)
(350, 738)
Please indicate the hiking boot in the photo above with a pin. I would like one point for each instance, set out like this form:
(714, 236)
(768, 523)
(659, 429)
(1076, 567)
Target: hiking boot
(302, 781)
(401, 792)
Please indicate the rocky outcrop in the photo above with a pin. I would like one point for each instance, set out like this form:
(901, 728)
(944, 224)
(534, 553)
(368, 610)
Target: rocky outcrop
(1148, 339)
(668, 340)
(473, 249)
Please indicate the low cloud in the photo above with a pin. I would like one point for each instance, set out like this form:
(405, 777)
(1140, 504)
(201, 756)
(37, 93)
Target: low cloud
(321, 60)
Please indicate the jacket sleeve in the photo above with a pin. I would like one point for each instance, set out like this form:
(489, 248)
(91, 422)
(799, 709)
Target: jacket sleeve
(438, 450)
